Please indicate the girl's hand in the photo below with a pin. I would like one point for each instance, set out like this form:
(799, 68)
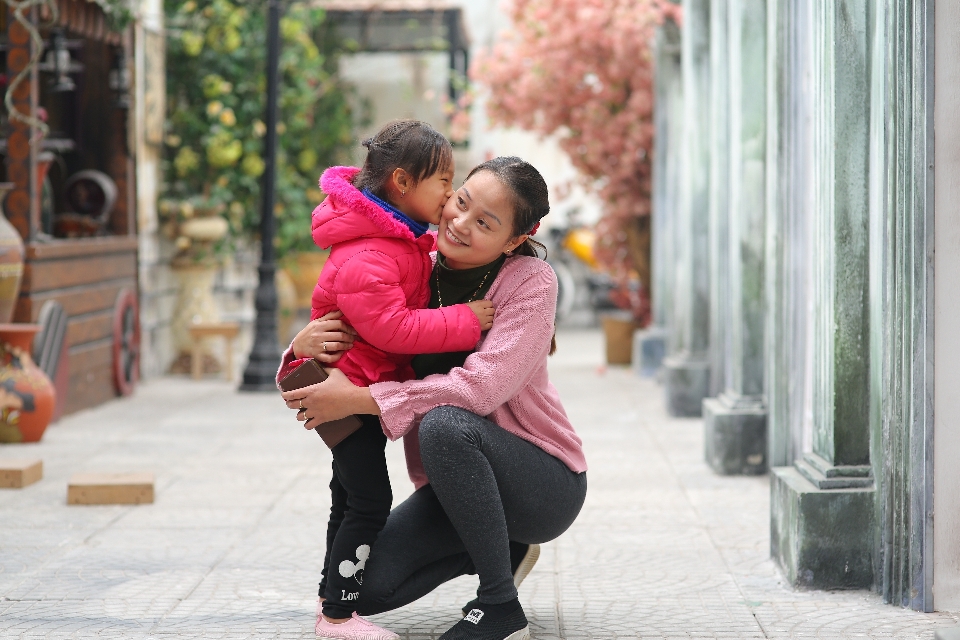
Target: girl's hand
(325, 338)
(334, 398)
(484, 310)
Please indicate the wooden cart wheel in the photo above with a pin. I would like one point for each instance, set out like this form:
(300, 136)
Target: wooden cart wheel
(126, 342)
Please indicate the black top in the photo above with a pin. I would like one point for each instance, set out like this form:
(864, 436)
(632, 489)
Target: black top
(454, 286)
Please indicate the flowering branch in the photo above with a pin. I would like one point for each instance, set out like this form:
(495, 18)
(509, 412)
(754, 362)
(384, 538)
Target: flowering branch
(582, 70)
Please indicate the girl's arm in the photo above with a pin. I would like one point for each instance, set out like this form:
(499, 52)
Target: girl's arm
(370, 295)
(510, 354)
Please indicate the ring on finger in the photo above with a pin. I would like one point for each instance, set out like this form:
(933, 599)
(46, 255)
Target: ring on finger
(324, 346)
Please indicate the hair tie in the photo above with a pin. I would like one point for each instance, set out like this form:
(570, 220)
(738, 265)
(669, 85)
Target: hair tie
(533, 231)
(367, 143)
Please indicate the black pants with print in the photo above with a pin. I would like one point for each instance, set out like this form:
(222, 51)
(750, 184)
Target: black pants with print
(360, 503)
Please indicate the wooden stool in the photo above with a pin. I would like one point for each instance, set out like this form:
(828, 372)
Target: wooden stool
(16, 474)
(110, 488)
(227, 330)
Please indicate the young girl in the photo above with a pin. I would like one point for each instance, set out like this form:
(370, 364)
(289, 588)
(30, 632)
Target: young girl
(377, 275)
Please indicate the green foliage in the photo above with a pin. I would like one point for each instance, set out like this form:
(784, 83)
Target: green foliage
(216, 83)
(118, 13)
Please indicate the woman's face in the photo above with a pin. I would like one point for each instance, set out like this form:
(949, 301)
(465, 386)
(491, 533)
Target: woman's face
(477, 223)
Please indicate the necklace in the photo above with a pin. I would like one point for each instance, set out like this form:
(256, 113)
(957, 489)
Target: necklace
(473, 297)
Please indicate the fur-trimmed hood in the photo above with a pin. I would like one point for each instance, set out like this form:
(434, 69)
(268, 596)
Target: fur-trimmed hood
(347, 214)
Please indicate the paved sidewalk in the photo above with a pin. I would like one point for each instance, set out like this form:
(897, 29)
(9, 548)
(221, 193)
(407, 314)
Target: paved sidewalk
(232, 547)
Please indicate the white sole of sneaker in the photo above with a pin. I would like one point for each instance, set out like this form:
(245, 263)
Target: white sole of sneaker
(523, 634)
(526, 565)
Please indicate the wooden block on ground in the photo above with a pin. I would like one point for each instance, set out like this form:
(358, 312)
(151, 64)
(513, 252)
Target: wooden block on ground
(16, 474)
(110, 488)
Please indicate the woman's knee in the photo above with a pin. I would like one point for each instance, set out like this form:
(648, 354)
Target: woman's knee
(446, 428)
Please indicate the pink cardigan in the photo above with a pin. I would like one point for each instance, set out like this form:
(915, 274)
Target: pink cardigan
(505, 379)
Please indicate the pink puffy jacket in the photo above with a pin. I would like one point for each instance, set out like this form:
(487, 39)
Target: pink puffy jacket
(378, 275)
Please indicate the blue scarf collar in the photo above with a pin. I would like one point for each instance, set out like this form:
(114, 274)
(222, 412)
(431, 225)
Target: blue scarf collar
(418, 228)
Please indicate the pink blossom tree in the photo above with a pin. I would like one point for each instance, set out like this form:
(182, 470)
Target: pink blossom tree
(582, 70)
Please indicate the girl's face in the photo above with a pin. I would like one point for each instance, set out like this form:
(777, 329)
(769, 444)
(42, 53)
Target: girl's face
(424, 200)
(477, 223)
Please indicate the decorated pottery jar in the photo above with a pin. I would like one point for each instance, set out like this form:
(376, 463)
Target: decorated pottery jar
(26, 393)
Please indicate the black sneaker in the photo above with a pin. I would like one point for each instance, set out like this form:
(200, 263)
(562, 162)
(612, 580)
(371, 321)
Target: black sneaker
(522, 559)
(477, 625)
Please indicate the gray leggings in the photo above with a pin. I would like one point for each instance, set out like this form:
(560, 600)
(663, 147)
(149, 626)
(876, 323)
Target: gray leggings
(487, 487)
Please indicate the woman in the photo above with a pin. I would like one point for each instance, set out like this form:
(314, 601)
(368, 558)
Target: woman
(496, 463)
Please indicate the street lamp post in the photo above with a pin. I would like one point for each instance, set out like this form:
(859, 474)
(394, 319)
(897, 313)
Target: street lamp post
(261, 371)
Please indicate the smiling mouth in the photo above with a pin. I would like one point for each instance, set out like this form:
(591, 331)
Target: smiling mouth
(454, 239)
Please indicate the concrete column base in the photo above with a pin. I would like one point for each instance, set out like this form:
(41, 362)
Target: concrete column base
(686, 381)
(735, 437)
(821, 538)
(649, 350)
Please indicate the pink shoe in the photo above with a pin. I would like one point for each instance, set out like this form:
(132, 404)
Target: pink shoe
(354, 629)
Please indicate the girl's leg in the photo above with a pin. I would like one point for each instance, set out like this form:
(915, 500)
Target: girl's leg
(338, 506)
(495, 487)
(361, 469)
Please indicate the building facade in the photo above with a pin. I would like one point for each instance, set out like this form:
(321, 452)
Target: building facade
(808, 233)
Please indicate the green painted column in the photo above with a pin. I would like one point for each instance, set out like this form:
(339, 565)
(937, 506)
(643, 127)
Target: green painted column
(719, 194)
(788, 212)
(841, 330)
(822, 507)
(650, 343)
(901, 292)
(735, 421)
(782, 97)
(686, 371)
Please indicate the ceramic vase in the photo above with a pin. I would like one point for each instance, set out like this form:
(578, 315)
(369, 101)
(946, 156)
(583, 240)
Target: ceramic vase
(11, 261)
(618, 328)
(195, 303)
(26, 393)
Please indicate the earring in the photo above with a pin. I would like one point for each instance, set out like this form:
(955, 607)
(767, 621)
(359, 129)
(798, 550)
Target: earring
(509, 253)
(403, 192)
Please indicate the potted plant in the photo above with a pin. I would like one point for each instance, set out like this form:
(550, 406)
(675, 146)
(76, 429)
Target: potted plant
(215, 104)
(216, 59)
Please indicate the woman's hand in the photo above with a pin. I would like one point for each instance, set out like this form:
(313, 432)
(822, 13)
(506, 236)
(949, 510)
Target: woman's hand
(334, 398)
(326, 338)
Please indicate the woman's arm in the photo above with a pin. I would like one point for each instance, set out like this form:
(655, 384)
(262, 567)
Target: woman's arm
(327, 331)
(509, 355)
(512, 352)
(332, 399)
(325, 338)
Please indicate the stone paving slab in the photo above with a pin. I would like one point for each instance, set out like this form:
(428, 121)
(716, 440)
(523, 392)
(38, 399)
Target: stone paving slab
(232, 546)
